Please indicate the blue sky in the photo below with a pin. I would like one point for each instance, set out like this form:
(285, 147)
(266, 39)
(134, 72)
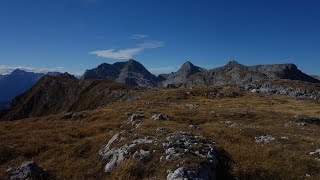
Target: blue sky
(74, 35)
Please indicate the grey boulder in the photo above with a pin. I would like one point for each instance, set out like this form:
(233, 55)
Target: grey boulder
(160, 117)
(29, 170)
(135, 117)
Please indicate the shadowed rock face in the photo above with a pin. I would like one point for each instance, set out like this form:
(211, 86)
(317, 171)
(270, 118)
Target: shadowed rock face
(186, 70)
(130, 72)
(238, 74)
(29, 170)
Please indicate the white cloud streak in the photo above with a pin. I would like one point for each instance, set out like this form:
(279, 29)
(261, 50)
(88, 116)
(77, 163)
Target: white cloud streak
(130, 52)
(150, 44)
(138, 36)
(120, 54)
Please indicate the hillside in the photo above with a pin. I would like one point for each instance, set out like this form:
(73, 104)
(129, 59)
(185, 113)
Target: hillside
(16, 83)
(234, 119)
(53, 95)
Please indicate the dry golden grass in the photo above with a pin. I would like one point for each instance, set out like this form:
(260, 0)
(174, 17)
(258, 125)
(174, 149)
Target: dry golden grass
(69, 148)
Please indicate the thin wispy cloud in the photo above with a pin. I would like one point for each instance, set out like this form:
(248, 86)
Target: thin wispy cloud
(150, 44)
(117, 54)
(138, 36)
(129, 52)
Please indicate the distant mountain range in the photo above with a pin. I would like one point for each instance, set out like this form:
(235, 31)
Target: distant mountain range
(63, 92)
(134, 73)
(17, 83)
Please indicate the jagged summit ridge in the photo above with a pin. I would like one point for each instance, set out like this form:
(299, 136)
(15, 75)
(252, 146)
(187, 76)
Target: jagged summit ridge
(236, 73)
(130, 72)
(134, 73)
(186, 70)
(233, 63)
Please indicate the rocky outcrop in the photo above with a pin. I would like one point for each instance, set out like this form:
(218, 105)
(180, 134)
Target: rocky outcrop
(264, 139)
(67, 75)
(135, 117)
(180, 77)
(298, 90)
(196, 153)
(160, 117)
(115, 156)
(316, 154)
(29, 170)
(283, 71)
(234, 73)
(130, 72)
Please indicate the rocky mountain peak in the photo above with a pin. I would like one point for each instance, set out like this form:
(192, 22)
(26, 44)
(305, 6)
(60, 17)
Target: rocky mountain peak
(130, 72)
(133, 65)
(187, 65)
(292, 66)
(185, 71)
(233, 63)
(18, 71)
(132, 61)
(188, 69)
(67, 75)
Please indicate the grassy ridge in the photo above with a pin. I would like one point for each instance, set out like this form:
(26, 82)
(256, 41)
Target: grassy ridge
(69, 148)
